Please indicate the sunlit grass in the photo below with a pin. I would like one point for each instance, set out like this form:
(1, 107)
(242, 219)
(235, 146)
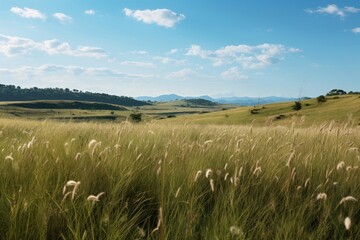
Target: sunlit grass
(152, 181)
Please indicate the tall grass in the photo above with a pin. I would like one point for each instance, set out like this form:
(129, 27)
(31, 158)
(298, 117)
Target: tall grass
(125, 181)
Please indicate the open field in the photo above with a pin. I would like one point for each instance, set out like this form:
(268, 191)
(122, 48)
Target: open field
(94, 111)
(340, 109)
(162, 181)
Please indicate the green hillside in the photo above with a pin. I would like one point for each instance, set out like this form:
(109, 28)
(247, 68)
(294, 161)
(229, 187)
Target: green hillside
(336, 108)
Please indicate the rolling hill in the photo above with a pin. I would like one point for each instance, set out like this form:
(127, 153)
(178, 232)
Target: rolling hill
(340, 109)
(242, 101)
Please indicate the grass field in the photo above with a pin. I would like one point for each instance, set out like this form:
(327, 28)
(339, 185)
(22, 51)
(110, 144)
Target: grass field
(340, 109)
(92, 111)
(178, 181)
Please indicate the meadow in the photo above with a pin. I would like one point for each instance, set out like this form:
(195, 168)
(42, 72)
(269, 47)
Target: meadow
(63, 180)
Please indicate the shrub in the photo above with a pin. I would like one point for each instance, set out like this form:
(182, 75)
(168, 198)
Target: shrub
(136, 117)
(321, 99)
(297, 106)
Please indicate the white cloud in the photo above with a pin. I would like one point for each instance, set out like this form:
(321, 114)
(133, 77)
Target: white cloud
(28, 13)
(63, 18)
(139, 52)
(333, 9)
(173, 51)
(166, 60)
(233, 73)
(356, 30)
(181, 74)
(162, 17)
(61, 70)
(137, 64)
(90, 12)
(249, 57)
(12, 46)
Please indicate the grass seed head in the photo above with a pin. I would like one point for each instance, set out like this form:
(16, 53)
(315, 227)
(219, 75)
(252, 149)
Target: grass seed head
(208, 173)
(321, 196)
(235, 231)
(197, 175)
(347, 223)
(212, 185)
(347, 199)
(340, 165)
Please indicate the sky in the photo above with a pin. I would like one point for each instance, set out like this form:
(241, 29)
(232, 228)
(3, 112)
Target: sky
(220, 48)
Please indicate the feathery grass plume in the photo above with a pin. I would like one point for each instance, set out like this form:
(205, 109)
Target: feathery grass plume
(208, 173)
(212, 185)
(235, 231)
(354, 149)
(348, 198)
(293, 174)
(226, 176)
(257, 171)
(9, 158)
(291, 157)
(71, 183)
(348, 168)
(72, 140)
(321, 196)
(78, 155)
(340, 165)
(208, 141)
(177, 192)
(138, 157)
(347, 223)
(197, 175)
(306, 182)
(298, 188)
(31, 143)
(92, 144)
(159, 221)
(225, 167)
(93, 198)
(74, 191)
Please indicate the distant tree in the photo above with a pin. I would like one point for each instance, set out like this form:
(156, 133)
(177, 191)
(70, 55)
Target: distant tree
(136, 117)
(335, 92)
(321, 99)
(297, 106)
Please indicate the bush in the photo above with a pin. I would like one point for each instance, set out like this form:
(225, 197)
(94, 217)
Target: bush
(136, 117)
(321, 99)
(297, 106)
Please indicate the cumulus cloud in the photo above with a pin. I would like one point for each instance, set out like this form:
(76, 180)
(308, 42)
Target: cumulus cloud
(167, 60)
(162, 17)
(181, 74)
(69, 70)
(233, 73)
(12, 46)
(28, 13)
(90, 12)
(333, 9)
(249, 57)
(356, 30)
(173, 51)
(62, 18)
(138, 64)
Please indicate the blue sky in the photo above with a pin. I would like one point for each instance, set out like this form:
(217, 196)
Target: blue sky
(218, 47)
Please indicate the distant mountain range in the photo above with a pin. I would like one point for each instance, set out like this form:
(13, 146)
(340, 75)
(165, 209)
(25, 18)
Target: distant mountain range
(243, 101)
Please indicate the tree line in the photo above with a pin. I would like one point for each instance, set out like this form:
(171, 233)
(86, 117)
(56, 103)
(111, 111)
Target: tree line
(16, 93)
